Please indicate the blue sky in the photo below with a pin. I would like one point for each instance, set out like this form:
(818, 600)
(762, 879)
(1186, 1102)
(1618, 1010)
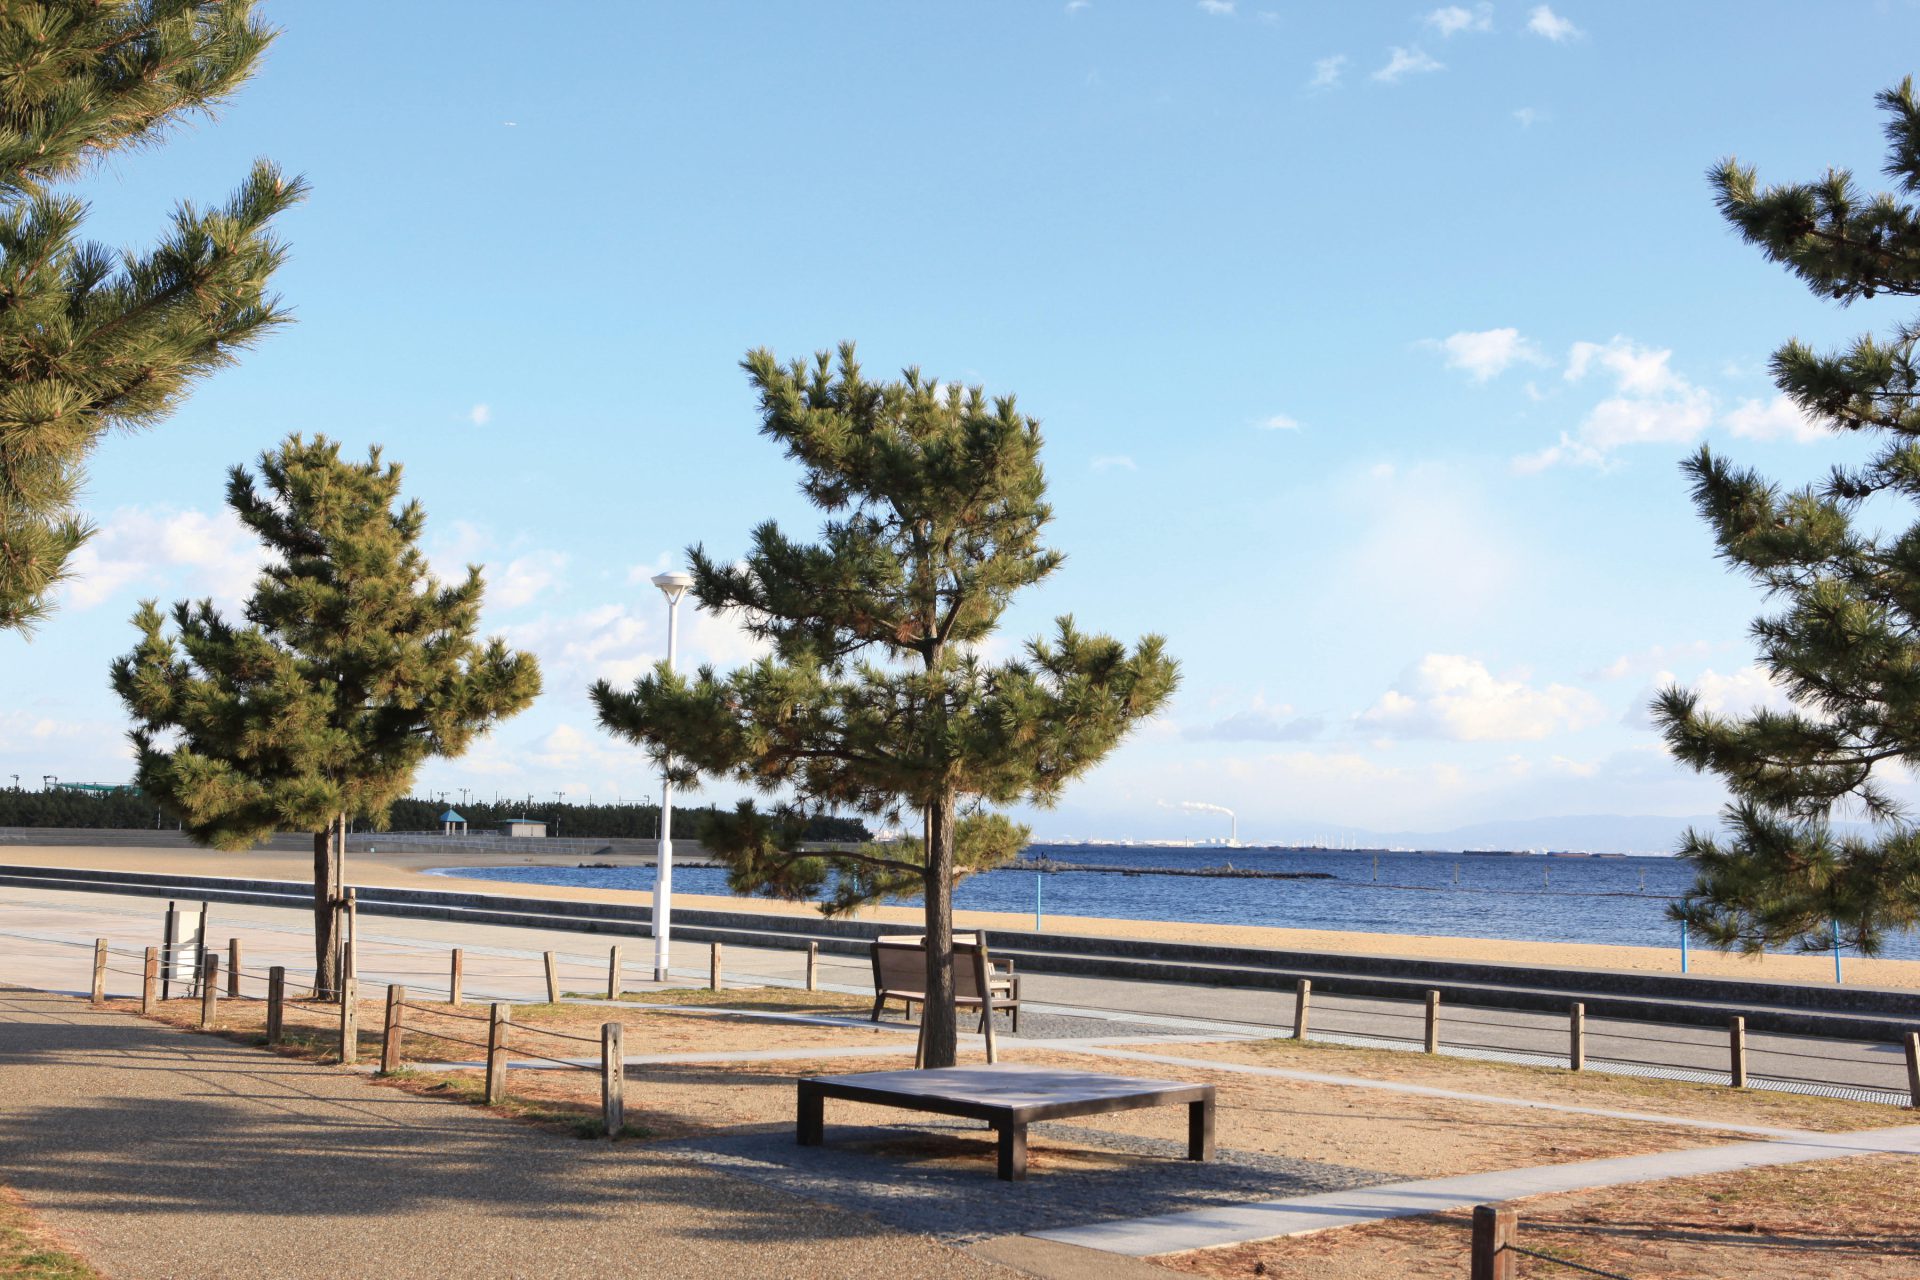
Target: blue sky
(1366, 340)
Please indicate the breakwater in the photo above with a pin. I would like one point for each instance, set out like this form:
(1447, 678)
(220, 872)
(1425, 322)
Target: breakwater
(1053, 866)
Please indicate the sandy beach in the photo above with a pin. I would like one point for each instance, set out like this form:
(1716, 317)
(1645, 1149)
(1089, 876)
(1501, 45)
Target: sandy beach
(414, 871)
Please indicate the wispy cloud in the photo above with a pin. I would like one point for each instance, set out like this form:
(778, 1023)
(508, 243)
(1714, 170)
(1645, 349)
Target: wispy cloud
(1218, 8)
(1281, 422)
(1487, 353)
(1075, 6)
(1405, 62)
(1327, 72)
(1453, 19)
(1776, 419)
(1115, 462)
(480, 415)
(1543, 21)
(1650, 404)
(1529, 116)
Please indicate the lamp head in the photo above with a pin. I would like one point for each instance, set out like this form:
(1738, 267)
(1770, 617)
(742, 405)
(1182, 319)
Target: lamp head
(673, 584)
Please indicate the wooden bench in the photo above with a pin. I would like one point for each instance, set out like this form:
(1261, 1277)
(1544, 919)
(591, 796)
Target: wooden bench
(900, 973)
(1009, 1098)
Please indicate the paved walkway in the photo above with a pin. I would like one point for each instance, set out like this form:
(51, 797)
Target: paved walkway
(160, 1153)
(1235, 1224)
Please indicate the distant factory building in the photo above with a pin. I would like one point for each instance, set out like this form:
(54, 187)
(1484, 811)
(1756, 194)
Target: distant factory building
(522, 827)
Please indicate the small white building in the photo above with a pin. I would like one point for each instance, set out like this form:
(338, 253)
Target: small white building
(522, 827)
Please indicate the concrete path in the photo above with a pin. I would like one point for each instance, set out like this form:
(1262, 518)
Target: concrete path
(160, 1153)
(1236, 1224)
(503, 963)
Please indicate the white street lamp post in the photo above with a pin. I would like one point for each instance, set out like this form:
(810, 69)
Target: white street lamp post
(673, 585)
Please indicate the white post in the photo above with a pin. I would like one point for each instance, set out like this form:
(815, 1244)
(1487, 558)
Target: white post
(674, 585)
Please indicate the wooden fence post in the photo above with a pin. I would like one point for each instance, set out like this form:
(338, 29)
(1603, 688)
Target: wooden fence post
(393, 1030)
(499, 1019)
(1577, 1037)
(276, 1004)
(209, 988)
(1737, 1047)
(813, 966)
(150, 980)
(553, 979)
(713, 968)
(1493, 1231)
(1433, 1022)
(1302, 1001)
(1913, 1069)
(613, 972)
(99, 993)
(454, 976)
(233, 966)
(349, 1019)
(613, 1079)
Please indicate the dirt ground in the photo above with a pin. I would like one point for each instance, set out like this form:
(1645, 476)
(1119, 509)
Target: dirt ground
(1855, 1219)
(1551, 1084)
(1404, 1136)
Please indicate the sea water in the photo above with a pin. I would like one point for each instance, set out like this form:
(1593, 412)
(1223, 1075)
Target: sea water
(1539, 898)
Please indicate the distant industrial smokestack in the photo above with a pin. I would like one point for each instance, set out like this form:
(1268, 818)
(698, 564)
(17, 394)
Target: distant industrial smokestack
(1201, 806)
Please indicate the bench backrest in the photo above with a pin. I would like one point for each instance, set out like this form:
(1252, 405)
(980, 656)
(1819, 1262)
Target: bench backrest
(900, 968)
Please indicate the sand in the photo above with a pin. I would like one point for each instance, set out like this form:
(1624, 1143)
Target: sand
(412, 871)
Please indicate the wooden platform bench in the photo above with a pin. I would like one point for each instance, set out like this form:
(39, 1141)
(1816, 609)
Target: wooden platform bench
(1009, 1098)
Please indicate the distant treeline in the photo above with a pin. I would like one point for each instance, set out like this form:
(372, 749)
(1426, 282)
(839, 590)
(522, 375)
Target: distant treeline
(126, 810)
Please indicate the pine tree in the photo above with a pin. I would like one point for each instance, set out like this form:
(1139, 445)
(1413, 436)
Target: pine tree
(92, 340)
(354, 666)
(875, 698)
(1845, 644)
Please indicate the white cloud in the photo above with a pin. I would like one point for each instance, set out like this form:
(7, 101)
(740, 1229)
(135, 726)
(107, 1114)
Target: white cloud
(526, 578)
(1529, 116)
(160, 552)
(1114, 462)
(1734, 693)
(1543, 21)
(620, 642)
(1405, 62)
(480, 415)
(1453, 19)
(1218, 8)
(1777, 419)
(1487, 353)
(1651, 404)
(1075, 6)
(1281, 422)
(1457, 698)
(1327, 72)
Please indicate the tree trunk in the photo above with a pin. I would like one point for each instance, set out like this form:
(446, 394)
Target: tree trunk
(326, 975)
(938, 1017)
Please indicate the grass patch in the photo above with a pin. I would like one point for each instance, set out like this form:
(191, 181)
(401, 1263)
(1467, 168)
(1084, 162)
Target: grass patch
(1592, 1087)
(28, 1252)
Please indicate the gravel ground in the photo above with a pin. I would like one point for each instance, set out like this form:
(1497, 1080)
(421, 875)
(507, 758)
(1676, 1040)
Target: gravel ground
(938, 1176)
(160, 1153)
